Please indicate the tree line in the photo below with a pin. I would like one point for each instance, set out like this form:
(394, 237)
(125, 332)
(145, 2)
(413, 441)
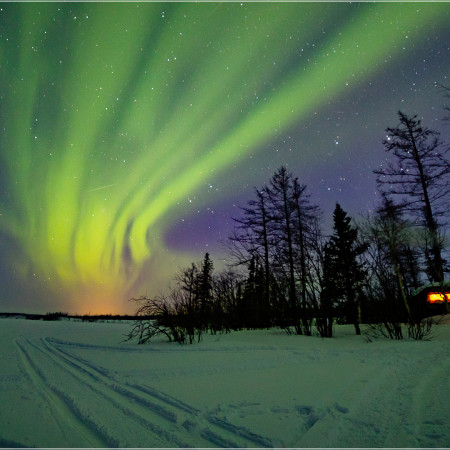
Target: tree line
(285, 272)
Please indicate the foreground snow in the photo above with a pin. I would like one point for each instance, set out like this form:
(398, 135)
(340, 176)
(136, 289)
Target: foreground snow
(69, 384)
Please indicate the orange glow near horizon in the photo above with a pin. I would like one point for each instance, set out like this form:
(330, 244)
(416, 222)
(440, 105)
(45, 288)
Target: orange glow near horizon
(99, 300)
(437, 297)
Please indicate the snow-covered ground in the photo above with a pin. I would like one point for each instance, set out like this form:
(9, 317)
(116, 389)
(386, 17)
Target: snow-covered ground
(73, 384)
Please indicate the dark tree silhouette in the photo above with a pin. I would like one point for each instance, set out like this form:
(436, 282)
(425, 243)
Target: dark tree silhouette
(188, 283)
(419, 177)
(393, 265)
(276, 238)
(250, 242)
(228, 311)
(205, 290)
(256, 310)
(307, 233)
(282, 213)
(394, 268)
(343, 273)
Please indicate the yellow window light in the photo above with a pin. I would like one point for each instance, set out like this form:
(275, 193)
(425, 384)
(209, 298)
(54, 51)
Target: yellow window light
(437, 297)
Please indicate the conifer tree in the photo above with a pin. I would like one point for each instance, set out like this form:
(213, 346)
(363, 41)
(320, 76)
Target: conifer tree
(205, 289)
(343, 273)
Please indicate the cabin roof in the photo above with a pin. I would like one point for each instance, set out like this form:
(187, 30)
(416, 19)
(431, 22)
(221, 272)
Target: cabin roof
(433, 286)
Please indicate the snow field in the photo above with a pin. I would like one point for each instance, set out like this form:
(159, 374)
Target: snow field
(72, 384)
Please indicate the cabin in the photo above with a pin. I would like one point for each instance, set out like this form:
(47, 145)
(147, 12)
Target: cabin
(431, 299)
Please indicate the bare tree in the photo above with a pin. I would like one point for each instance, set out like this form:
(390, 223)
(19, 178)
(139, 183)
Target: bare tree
(306, 237)
(188, 281)
(228, 301)
(419, 177)
(276, 233)
(159, 316)
(394, 273)
(282, 213)
(251, 237)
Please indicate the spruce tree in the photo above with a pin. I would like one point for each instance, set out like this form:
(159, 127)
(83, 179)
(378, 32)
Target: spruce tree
(343, 274)
(205, 290)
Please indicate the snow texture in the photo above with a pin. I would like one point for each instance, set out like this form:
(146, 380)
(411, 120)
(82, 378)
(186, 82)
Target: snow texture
(74, 384)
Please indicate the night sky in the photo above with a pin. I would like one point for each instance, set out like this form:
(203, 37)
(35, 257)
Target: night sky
(131, 132)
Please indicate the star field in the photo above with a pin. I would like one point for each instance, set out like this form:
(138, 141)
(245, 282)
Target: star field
(131, 132)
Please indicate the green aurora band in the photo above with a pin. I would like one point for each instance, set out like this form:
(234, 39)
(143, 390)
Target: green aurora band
(113, 114)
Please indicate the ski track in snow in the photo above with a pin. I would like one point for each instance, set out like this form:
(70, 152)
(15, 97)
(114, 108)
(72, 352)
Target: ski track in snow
(236, 390)
(150, 417)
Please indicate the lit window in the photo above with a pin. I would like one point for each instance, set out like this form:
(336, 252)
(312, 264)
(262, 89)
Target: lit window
(437, 297)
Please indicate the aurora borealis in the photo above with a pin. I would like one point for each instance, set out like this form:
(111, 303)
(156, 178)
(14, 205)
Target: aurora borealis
(130, 130)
